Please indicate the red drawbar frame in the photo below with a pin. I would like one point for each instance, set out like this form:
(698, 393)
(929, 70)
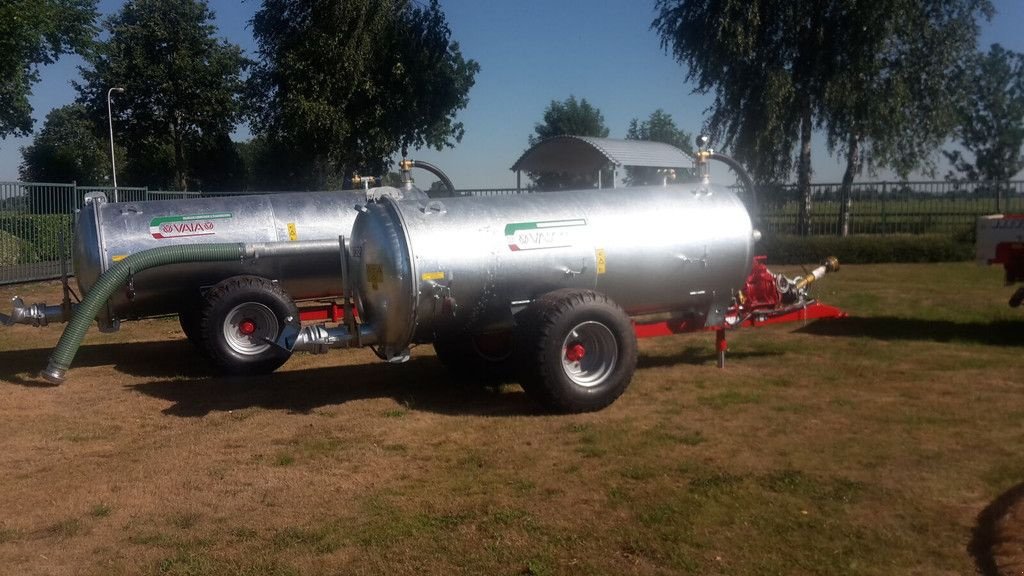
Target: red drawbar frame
(762, 309)
(331, 311)
(812, 311)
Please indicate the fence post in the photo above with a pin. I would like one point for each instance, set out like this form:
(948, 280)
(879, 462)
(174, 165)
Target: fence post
(885, 192)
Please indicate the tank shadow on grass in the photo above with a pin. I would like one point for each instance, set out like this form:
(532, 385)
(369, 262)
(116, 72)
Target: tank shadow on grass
(696, 355)
(998, 333)
(420, 384)
(162, 358)
(184, 378)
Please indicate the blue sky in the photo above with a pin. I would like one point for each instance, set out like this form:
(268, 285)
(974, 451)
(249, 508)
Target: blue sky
(530, 52)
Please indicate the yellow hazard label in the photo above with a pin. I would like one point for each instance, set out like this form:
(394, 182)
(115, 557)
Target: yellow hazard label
(601, 262)
(293, 233)
(119, 257)
(432, 276)
(374, 275)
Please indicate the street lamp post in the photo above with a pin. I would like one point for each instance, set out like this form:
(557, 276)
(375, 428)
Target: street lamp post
(110, 118)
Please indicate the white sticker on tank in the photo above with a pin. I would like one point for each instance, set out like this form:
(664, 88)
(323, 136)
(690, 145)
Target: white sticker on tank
(166, 227)
(543, 235)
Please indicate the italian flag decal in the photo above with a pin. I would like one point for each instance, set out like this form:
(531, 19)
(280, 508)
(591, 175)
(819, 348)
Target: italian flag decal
(542, 235)
(167, 227)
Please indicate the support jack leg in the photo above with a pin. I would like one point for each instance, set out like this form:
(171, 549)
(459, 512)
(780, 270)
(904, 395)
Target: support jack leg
(721, 346)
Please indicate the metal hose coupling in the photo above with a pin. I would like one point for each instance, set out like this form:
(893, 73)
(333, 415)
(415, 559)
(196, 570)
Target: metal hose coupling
(830, 264)
(37, 315)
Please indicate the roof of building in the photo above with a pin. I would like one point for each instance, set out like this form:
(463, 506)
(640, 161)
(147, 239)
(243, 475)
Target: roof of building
(581, 154)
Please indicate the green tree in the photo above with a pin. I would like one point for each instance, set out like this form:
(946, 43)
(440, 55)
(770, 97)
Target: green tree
(218, 165)
(659, 127)
(574, 118)
(991, 114)
(342, 85)
(182, 84)
(780, 69)
(66, 150)
(35, 33)
(907, 51)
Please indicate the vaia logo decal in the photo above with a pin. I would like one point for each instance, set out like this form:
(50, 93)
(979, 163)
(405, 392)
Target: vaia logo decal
(542, 235)
(167, 227)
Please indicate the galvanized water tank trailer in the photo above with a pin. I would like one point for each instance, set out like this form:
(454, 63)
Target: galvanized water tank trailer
(300, 261)
(429, 269)
(543, 286)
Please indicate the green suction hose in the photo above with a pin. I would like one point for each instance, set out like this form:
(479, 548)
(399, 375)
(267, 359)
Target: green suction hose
(115, 277)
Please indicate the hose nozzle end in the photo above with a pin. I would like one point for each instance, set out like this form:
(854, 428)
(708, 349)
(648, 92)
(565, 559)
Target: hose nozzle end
(53, 374)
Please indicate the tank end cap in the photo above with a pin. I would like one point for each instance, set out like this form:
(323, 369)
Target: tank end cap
(53, 374)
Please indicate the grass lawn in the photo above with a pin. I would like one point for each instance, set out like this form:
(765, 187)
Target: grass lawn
(885, 443)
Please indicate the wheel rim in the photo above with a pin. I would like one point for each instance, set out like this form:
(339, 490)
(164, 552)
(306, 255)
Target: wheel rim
(589, 354)
(248, 326)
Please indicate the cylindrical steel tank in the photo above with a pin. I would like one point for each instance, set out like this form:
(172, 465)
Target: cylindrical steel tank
(425, 268)
(107, 232)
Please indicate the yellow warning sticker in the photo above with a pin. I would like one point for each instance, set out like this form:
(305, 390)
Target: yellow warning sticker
(119, 257)
(601, 262)
(374, 275)
(432, 276)
(293, 233)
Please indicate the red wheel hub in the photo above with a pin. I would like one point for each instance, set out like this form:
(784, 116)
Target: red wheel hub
(575, 352)
(247, 327)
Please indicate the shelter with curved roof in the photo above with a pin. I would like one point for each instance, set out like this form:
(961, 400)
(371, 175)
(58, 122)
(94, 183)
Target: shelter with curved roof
(586, 154)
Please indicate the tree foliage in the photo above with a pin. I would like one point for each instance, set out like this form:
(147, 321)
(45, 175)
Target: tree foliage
(866, 70)
(66, 150)
(342, 85)
(658, 127)
(991, 115)
(35, 33)
(182, 86)
(908, 52)
(889, 92)
(574, 118)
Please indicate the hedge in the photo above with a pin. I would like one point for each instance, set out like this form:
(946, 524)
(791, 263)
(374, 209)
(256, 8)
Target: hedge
(42, 232)
(786, 249)
(14, 250)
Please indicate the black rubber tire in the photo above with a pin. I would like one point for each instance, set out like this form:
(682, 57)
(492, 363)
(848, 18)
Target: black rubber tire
(226, 299)
(190, 318)
(544, 329)
(470, 363)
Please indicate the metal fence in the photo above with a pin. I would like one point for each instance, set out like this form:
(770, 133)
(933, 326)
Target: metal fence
(36, 219)
(875, 207)
(891, 207)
